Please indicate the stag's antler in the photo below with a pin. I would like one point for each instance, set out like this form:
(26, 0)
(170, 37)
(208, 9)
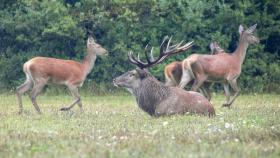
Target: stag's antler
(165, 51)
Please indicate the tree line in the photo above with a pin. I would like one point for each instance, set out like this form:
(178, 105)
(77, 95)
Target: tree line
(59, 29)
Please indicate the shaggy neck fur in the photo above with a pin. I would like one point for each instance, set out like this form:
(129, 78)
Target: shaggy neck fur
(150, 93)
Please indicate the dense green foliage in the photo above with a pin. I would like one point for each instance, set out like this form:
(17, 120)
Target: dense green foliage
(59, 28)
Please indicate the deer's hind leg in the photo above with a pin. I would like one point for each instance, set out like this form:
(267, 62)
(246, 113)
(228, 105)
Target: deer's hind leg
(37, 88)
(21, 90)
(198, 82)
(205, 90)
(185, 79)
(169, 82)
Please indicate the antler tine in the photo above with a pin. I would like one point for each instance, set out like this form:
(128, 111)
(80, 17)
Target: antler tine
(182, 48)
(179, 44)
(175, 46)
(164, 53)
(178, 48)
(132, 59)
(163, 41)
(146, 53)
(168, 43)
(163, 44)
(138, 56)
(152, 56)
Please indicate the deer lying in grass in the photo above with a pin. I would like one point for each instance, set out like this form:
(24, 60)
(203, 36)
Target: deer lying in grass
(173, 72)
(154, 97)
(41, 70)
(222, 68)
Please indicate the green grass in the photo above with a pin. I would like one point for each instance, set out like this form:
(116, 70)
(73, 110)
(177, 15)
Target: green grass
(113, 126)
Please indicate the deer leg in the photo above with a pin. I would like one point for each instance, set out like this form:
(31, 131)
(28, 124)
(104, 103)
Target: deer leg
(76, 95)
(197, 83)
(206, 93)
(186, 78)
(20, 91)
(205, 88)
(81, 106)
(202, 91)
(37, 88)
(236, 90)
(169, 82)
(80, 102)
(227, 93)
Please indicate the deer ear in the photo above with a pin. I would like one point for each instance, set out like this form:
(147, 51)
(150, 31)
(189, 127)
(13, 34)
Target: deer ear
(142, 73)
(90, 40)
(212, 47)
(252, 28)
(241, 29)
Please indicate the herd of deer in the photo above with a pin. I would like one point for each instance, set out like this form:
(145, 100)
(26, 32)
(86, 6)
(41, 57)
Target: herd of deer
(152, 96)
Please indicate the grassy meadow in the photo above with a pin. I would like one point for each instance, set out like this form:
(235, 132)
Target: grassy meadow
(113, 126)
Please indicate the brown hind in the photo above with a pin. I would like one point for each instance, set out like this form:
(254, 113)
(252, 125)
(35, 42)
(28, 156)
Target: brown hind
(41, 70)
(173, 72)
(222, 68)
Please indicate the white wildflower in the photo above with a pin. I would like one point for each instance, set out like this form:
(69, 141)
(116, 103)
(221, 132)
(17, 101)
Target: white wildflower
(165, 123)
(229, 126)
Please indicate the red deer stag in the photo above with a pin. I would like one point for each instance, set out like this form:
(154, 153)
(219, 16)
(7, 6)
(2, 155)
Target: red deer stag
(223, 68)
(173, 71)
(40, 70)
(154, 97)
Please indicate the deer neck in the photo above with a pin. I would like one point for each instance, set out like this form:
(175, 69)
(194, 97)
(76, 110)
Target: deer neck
(89, 60)
(150, 93)
(240, 51)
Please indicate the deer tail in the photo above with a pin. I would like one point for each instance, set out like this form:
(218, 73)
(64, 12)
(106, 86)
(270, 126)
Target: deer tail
(188, 66)
(26, 69)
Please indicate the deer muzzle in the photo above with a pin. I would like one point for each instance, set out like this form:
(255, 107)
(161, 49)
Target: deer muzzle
(118, 82)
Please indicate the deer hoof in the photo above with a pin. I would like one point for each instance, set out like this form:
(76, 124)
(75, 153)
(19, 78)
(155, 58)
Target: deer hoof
(64, 109)
(226, 105)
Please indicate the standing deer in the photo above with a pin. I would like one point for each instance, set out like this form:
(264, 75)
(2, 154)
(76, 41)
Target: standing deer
(40, 70)
(154, 97)
(173, 71)
(223, 68)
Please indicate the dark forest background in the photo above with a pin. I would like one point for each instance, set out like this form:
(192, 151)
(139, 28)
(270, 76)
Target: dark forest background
(59, 28)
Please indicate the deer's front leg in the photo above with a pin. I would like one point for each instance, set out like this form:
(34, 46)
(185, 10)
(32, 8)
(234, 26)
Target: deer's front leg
(235, 88)
(227, 93)
(75, 93)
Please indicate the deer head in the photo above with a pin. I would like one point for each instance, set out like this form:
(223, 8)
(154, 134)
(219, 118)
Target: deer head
(97, 48)
(132, 79)
(247, 35)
